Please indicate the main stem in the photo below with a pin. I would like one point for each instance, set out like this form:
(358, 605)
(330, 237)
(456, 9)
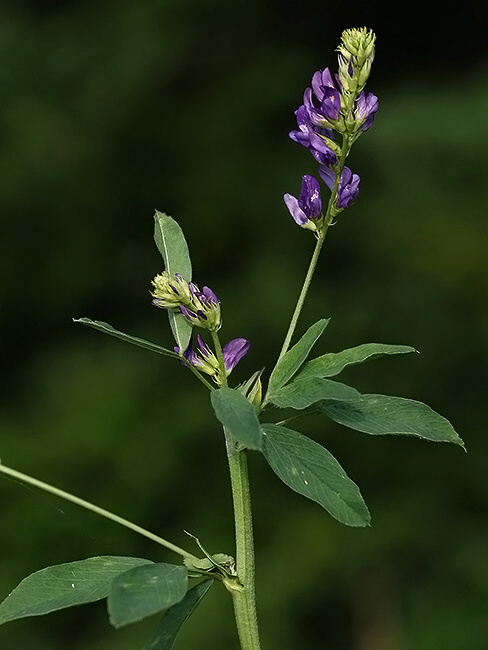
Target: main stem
(244, 592)
(245, 597)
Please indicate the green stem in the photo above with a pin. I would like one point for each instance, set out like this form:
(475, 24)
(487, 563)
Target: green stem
(316, 253)
(25, 478)
(244, 594)
(244, 598)
(303, 292)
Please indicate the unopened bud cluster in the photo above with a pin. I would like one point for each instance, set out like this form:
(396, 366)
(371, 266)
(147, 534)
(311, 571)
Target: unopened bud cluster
(200, 308)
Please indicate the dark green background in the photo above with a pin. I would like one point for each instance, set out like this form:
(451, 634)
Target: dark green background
(111, 109)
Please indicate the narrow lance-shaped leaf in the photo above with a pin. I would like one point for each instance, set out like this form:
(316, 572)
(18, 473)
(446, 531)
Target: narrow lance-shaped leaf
(238, 415)
(383, 415)
(65, 585)
(175, 617)
(309, 469)
(145, 590)
(172, 245)
(108, 329)
(290, 363)
(333, 363)
(301, 393)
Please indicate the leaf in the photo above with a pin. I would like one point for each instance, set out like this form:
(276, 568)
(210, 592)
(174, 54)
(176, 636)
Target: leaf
(288, 365)
(174, 619)
(309, 469)
(301, 393)
(172, 245)
(64, 585)
(333, 363)
(108, 329)
(238, 416)
(384, 415)
(145, 590)
(181, 329)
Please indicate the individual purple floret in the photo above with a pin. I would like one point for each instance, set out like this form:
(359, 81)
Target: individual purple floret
(366, 107)
(308, 207)
(310, 137)
(205, 360)
(233, 352)
(348, 187)
(328, 96)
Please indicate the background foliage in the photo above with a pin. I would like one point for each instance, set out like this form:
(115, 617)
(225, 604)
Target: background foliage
(112, 109)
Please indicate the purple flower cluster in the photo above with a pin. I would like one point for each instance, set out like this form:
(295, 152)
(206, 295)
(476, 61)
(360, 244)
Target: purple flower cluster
(204, 306)
(334, 106)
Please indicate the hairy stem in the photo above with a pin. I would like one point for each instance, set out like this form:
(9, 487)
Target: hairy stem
(244, 593)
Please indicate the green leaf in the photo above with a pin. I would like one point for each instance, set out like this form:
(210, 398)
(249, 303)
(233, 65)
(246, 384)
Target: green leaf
(238, 416)
(108, 329)
(64, 585)
(333, 363)
(309, 469)
(301, 393)
(175, 617)
(384, 415)
(172, 245)
(145, 590)
(288, 365)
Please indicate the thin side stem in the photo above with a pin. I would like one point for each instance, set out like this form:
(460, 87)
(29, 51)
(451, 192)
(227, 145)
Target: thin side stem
(316, 253)
(25, 478)
(303, 293)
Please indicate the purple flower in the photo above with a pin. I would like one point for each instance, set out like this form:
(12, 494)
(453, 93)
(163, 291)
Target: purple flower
(366, 107)
(348, 187)
(205, 360)
(311, 137)
(308, 207)
(233, 351)
(327, 95)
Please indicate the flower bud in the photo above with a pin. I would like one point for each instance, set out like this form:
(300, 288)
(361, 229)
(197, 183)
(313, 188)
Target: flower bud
(170, 291)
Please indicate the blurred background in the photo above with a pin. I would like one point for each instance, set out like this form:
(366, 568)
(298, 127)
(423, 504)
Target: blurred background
(112, 109)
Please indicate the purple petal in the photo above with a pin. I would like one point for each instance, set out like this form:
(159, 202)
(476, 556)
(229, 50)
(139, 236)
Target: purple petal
(348, 188)
(189, 355)
(203, 348)
(210, 295)
(295, 210)
(321, 80)
(330, 105)
(309, 200)
(233, 352)
(366, 107)
(328, 176)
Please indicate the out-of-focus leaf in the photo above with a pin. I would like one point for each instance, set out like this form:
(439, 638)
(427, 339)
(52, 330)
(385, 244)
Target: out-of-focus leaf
(145, 590)
(64, 585)
(175, 617)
